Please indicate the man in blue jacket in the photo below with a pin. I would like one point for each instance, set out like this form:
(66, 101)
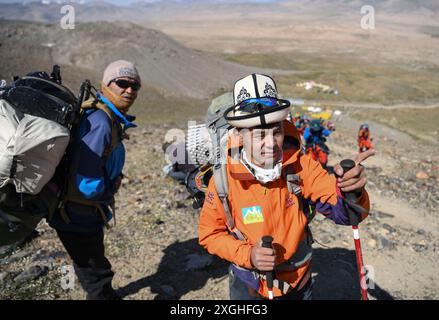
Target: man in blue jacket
(315, 137)
(96, 162)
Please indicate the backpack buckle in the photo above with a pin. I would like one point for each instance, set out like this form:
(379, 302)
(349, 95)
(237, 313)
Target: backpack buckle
(293, 183)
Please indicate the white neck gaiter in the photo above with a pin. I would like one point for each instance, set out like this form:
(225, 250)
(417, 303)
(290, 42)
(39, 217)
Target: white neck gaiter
(262, 175)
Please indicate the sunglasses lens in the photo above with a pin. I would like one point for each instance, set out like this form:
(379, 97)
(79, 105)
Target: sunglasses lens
(253, 105)
(122, 84)
(135, 86)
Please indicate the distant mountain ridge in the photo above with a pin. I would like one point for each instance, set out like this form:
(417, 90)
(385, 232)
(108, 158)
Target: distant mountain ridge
(162, 62)
(89, 10)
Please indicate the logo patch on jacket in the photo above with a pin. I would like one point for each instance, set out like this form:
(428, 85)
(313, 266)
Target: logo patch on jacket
(252, 215)
(210, 197)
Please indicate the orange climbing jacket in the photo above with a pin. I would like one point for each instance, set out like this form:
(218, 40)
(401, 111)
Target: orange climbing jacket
(318, 154)
(230, 228)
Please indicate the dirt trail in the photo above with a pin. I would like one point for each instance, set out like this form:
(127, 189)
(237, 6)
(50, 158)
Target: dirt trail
(399, 238)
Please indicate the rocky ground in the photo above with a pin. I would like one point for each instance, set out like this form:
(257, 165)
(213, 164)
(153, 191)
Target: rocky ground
(154, 250)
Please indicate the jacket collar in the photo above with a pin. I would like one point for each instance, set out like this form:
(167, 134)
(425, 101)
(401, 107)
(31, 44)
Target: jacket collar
(127, 121)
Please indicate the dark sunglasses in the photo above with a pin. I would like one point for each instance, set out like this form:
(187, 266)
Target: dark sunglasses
(125, 84)
(255, 105)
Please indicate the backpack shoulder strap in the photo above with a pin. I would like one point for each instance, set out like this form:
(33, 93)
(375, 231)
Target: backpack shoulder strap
(116, 128)
(293, 183)
(222, 188)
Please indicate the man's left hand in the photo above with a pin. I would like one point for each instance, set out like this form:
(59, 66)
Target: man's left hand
(354, 179)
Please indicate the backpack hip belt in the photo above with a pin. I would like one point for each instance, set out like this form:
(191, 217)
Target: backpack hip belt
(96, 204)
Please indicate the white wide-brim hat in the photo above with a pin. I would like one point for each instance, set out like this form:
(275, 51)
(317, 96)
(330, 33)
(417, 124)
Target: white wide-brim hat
(260, 92)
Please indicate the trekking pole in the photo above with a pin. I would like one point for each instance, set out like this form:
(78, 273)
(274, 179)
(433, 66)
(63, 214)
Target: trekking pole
(347, 165)
(267, 242)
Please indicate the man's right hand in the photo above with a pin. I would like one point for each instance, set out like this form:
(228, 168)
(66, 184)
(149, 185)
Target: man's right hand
(263, 259)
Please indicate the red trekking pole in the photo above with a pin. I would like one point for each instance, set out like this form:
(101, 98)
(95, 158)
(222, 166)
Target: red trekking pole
(351, 197)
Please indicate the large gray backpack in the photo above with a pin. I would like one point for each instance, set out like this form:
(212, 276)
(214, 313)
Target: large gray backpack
(207, 147)
(36, 114)
(30, 149)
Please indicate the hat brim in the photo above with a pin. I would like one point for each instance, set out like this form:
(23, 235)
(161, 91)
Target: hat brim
(267, 116)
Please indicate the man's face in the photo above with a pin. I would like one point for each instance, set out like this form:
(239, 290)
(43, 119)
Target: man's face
(119, 87)
(263, 145)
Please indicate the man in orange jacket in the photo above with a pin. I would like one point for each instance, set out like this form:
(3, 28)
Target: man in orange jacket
(271, 186)
(364, 139)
